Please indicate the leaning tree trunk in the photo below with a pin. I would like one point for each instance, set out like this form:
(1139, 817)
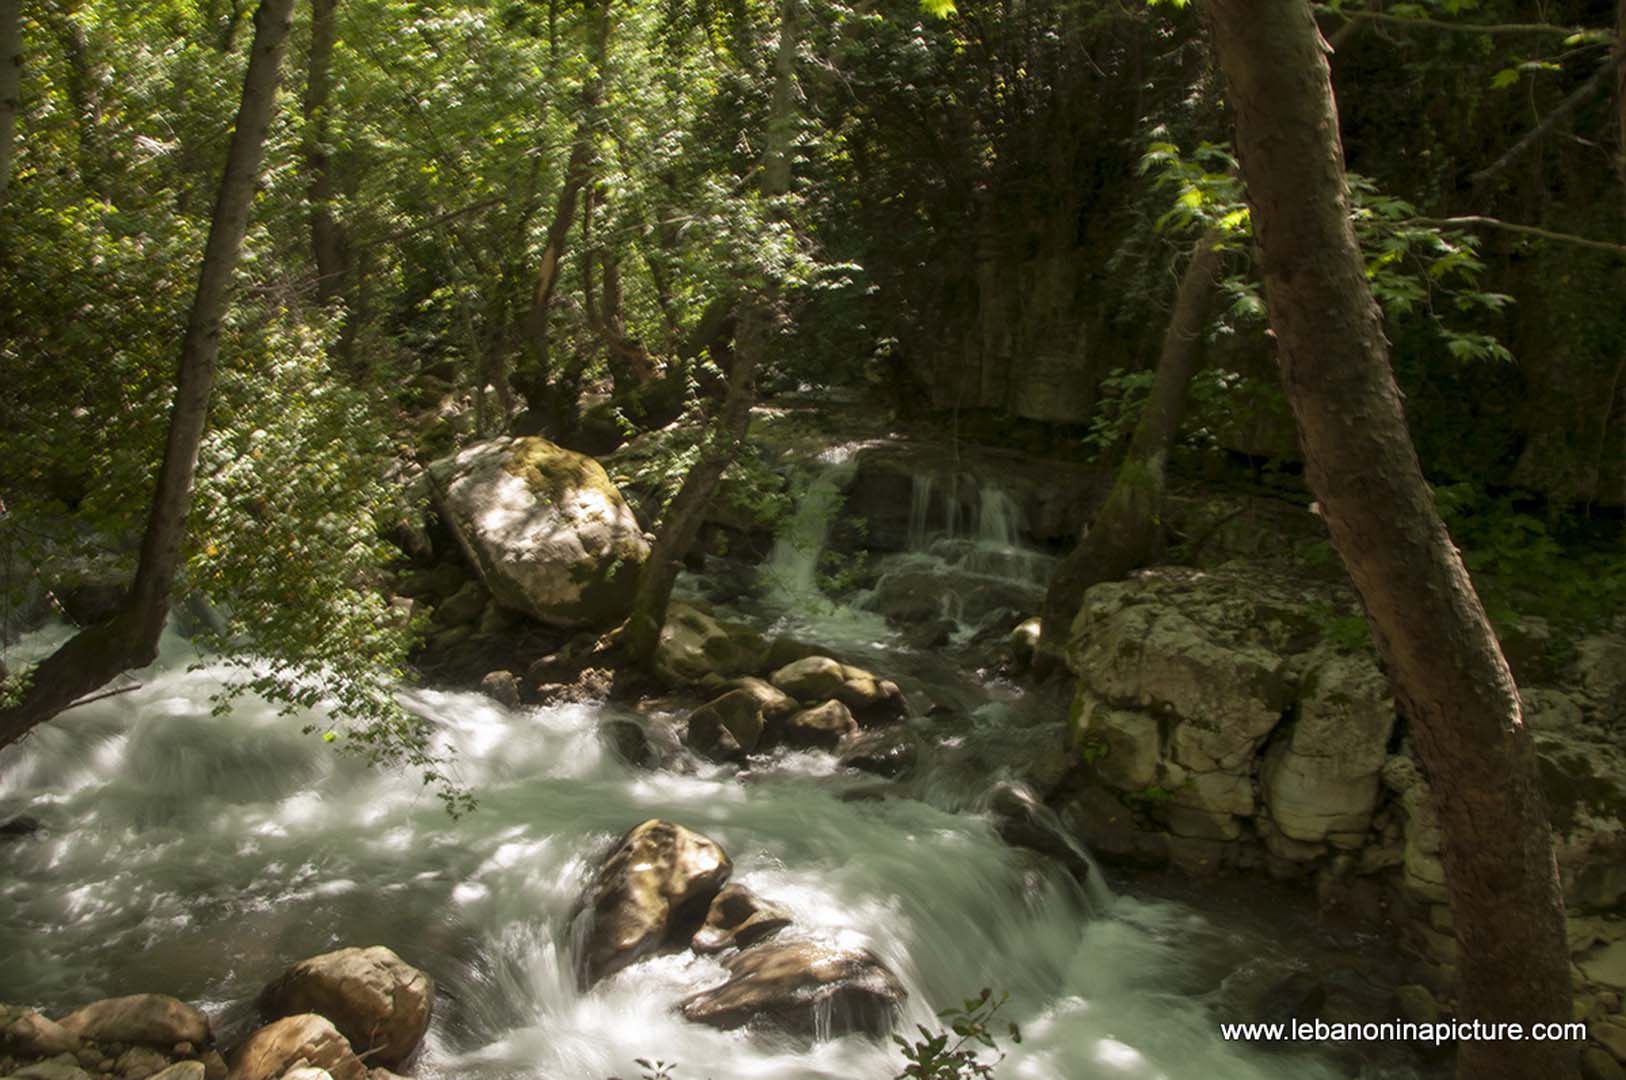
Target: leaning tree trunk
(11, 77)
(687, 512)
(1449, 675)
(1128, 531)
(688, 509)
(129, 639)
(328, 241)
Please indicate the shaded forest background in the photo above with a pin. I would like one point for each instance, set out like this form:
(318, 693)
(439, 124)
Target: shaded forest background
(548, 217)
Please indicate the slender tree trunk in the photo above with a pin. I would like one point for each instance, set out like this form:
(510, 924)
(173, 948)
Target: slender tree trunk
(130, 638)
(328, 240)
(782, 112)
(1620, 99)
(1128, 531)
(1449, 675)
(11, 77)
(688, 509)
(533, 383)
(687, 512)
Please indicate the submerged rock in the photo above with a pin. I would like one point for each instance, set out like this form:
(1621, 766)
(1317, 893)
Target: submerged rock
(306, 1039)
(20, 826)
(774, 702)
(888, 753)
(823, 726)
(548, 532)
(793, 985)
(738, 918)
(1022, 821)
(628, 740)
(813, 678)
(873, 700)
(149, 1019)
(376, 1000)
(726, 728)
(651, 893)
(501, 687)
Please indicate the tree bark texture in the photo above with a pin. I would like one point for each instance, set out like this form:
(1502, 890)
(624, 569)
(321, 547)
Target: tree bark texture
(1620, 97)
(11, 79)
(1449, 676)
(328, 241)
(1128, 531)
(129, 639)
(533, 384)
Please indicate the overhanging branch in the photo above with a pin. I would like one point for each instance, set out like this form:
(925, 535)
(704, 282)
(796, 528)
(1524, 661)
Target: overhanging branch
(1523, 230)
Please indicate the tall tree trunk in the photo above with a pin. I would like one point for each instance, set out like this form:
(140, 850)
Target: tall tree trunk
(11, 78)
(1450, 679)
(533, 382)
(684, 517)
(1128, 530)
(328, 240)
(129, 639)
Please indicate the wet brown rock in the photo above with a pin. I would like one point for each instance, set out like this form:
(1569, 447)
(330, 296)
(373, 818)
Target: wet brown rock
(651, 893)
(380, 1003)
(738, 918)
(788, 985)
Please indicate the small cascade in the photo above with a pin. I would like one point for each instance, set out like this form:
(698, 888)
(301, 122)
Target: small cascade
(967, 561)
(791, 572)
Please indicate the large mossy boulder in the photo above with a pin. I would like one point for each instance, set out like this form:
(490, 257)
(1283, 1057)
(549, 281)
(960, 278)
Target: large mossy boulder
(548, 532)
(651, 893)
(377, 1000)
(803, 987)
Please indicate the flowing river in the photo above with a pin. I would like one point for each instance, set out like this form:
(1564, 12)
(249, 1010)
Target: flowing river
(200, 855)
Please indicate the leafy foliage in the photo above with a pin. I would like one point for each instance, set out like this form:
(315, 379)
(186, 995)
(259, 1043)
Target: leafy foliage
(956, 1054)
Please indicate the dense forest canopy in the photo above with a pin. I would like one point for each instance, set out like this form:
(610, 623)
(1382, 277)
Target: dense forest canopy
(330, 254)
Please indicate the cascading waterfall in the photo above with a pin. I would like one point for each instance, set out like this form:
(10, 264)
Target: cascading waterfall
(198, 856)
(966, 549)
(792, 567)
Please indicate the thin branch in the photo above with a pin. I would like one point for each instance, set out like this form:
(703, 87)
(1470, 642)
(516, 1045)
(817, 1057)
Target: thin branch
(104, 694)
(1525, 230)
(424, 226)
(1440, 24)
(1599, 80)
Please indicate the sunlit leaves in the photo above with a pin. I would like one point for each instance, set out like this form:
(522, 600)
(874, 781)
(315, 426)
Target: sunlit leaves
(1509, 76)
